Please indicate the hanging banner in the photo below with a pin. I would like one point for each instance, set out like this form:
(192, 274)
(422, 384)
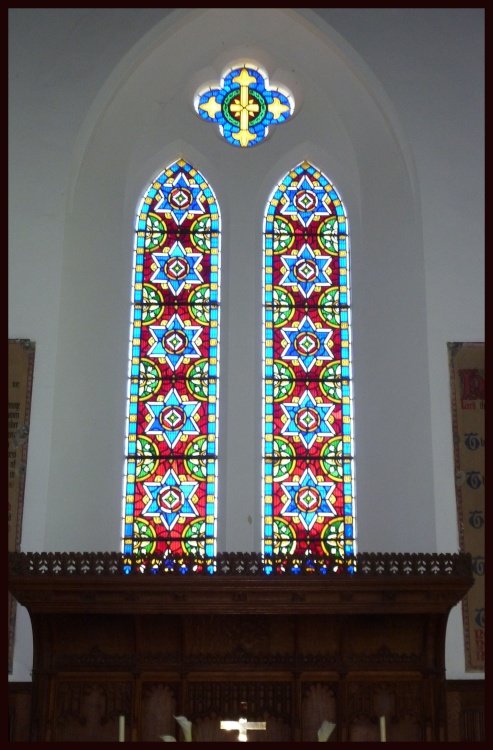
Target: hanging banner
(20, 374)
(466, 363)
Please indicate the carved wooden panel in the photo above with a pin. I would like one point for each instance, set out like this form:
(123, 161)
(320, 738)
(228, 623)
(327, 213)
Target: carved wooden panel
(396, 635)
(158, 640)
(466, 710)
(209, 701)
(400, 702)
(208, 729)
(465, 713)
(242, 639)
(223, 699)
(19, 711)
(157, 712)
(88, 710)
(319, 704)
(364, 729)
(84, 641)
(299, 646)
(472, 725)
(320, 638)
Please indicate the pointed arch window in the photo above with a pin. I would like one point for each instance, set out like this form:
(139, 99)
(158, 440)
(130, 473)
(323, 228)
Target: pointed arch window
(308, 493)
(170, 482)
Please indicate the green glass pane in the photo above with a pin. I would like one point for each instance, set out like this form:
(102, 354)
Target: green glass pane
(333, 538)
(283, 235)
(155, 232)
(283, 463)
(329, 307)
(196, 461)
(144, 538)
(283, 380)
(328, 235)
(332, 458)
(284, 538)
(153, 304)
(145, 464)
(149, 379)
(283, 306)
(198, 379)
(331, 382)
(201, 233)
(194, 538)
(199, 304)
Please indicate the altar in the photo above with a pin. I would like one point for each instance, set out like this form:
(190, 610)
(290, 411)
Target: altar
(292, 643)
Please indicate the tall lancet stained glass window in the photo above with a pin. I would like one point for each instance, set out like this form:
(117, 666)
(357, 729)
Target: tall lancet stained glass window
(171, 464)
(308, 498)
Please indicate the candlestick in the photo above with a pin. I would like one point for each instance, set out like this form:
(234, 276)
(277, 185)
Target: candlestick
(383, 736)
(121, 729)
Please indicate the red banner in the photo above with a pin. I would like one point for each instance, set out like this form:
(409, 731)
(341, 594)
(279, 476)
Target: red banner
(466, 361)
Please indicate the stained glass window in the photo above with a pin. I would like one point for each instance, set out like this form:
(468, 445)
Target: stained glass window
(244, 105)
(171, 463)
(308, 501)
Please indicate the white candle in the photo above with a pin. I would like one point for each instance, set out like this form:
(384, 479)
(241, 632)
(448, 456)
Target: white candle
(121, 729)
(383, 736)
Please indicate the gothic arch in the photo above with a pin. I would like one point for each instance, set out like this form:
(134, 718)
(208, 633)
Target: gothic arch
(143, 120)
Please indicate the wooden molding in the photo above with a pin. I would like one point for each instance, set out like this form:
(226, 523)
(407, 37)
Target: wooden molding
(110, 582)
(299, 642)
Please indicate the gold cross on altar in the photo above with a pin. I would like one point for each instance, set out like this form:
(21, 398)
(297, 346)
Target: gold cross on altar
(242, 725)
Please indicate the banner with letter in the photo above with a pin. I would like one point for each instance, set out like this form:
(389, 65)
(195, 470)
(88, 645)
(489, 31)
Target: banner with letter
(20, 374)
(466, 363)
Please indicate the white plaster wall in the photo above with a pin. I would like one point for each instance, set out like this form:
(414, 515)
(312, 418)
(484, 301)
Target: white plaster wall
(444, 122)
(58, 61)
(355, 145)
(431, 64)
(99, 121)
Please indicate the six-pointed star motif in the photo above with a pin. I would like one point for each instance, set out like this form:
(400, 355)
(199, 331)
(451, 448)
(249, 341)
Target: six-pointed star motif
(308, 499)
(170, 499)
(172, 418)
(306, 201)
(182, 199)
(306, 343)
(307, 419)
(306, 270)
(175, 341)
(177, 268)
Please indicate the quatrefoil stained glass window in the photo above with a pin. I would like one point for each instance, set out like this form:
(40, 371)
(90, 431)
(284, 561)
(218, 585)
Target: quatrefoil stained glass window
(308, 454)
(244, 106)
(171, 445)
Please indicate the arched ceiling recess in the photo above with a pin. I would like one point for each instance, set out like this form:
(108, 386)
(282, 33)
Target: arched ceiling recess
(142, 120)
